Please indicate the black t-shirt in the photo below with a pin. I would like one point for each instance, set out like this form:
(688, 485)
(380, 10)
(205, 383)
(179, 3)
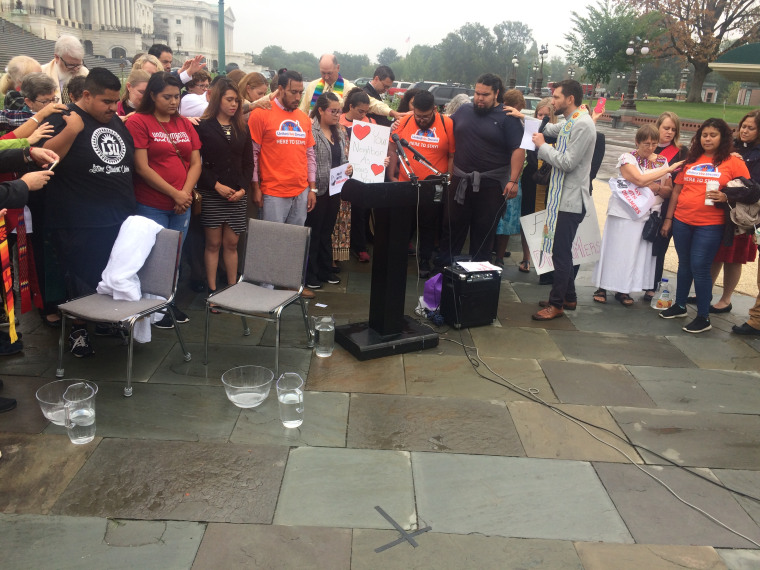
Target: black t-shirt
(485, 142)
(92, 186)
(334, 153)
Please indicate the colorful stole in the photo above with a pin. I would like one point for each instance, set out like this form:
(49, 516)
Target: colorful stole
(554, 193)
(337, 88)
(29, 287)
(5, 261)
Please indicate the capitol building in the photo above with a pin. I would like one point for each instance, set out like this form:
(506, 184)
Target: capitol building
(122, 28)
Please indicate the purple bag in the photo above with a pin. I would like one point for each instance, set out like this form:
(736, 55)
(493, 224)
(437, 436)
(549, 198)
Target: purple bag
(432, 294)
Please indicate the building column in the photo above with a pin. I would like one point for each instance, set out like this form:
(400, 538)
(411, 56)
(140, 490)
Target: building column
(58, 9)
(107, 12)
(65, 11)
(78, 10)
(94, 15)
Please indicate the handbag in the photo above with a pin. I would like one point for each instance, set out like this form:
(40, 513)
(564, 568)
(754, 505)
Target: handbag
(197, 206)
(652, 227)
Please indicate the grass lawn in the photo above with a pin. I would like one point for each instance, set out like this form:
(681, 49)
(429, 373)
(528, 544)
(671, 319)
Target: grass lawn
(694, 111)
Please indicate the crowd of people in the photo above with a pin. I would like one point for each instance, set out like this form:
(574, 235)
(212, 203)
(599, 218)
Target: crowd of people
(170, 143)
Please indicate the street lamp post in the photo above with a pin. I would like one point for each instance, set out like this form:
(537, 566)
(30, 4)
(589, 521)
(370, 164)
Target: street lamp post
(513, 77)
(681, 95)
(220, 37)
(540, 76)
(534, 81)
(636, 48)
(571, 72)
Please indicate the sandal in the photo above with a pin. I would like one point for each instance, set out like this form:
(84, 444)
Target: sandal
(648, 296)
(624, 299)
(524, 266)
(600, 296)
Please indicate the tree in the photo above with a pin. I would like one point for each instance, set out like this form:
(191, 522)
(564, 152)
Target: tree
(702, 30)
(511, 39)
(467, 53)
(388, 56)
(351, 65)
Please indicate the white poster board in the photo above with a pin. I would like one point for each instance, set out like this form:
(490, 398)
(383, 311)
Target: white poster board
(635, 199)
(586, 247)
(338, 178)
(369, 147)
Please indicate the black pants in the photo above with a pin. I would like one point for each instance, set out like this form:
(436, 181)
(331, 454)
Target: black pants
(478, 216)
(321, 220)
(84, 253)
(427, 219)
(563, 288)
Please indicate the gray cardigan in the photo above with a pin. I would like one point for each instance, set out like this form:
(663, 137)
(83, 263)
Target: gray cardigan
(575, 162)
(324, 156)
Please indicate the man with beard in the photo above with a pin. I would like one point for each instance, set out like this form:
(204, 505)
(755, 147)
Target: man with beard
(91, 193)
(285, 166)
(67, 63)
(568, 194)
(432, 135)
(487, 163)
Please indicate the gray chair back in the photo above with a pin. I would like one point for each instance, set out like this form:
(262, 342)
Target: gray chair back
(276, 253)
(158, 276)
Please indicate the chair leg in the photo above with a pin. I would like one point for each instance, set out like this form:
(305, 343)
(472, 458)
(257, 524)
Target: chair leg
(304, 311)
(185, 353)
(205, 334)
(277, 347)
(246, 329)
(130, 352)
(59, 371)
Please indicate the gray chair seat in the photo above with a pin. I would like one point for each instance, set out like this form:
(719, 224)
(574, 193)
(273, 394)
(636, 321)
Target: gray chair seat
(103, 308)
(250, 298)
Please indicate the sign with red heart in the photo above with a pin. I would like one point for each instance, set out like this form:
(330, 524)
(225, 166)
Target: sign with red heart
(361, 131)
(368, 151)
(377, 169)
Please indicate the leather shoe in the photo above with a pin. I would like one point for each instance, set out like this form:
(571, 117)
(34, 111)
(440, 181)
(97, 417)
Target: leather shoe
(567, 305)
(549, 313)
(307, 294)
(726, 309)
(745, 329)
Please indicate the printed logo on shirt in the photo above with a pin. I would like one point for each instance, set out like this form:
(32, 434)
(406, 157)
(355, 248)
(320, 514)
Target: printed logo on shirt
(108, 145)
(425, 136)
(291, 129)
(180, 137)
(701, 173)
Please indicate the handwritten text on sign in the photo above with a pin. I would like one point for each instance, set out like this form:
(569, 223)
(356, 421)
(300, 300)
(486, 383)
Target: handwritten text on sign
(637, 200)
(586, 247)
(369, 147)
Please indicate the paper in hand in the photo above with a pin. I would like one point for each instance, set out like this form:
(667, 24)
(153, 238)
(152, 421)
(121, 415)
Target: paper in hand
(338, 178)
(531, 127)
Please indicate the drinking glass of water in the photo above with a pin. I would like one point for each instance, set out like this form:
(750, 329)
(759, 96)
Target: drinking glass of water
(323, 333)
(79, 412)
(290, 399)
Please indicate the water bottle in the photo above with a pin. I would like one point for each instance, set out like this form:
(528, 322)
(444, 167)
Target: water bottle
(662, 297)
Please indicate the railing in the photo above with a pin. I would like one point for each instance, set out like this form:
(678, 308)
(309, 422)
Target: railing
(36, 10)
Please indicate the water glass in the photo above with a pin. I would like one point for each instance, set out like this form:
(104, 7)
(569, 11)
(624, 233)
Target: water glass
(290, 399)
(323, 332)
(79, 412)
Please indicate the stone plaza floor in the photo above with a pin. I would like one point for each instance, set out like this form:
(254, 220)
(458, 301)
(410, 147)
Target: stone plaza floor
(177, 477)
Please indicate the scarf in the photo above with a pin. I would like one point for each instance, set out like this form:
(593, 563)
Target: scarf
(5, 260)
(29, 287)
(554, 193)
(669, 152)
(337, 88)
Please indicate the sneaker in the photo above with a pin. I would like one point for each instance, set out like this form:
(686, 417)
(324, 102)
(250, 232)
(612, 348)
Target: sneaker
(698, 325)
(181, 317)
(313, 284)
(80, 342)
(165, 323)
(673, 312)
(333, 279)
(363, 257)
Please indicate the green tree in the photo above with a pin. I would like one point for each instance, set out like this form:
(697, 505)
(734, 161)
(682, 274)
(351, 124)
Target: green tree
(388, 56)
(351, 65)
(467, 53)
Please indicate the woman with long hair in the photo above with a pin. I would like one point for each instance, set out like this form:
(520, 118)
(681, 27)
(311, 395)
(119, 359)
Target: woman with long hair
(167, 160)
(330, 150)
(227, 157)
(133, 92)
(697, 225)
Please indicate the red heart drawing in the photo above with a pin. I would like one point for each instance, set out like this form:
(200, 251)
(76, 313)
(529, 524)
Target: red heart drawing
(377, 168)
(361, 131)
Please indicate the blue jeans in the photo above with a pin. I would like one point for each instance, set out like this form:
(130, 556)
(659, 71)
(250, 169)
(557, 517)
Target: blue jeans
(166, 218)
(696, 247)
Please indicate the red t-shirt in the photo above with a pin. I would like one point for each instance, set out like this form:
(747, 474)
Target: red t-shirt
(691, 208)
(434, 143)
(148, 133)
(284, 137)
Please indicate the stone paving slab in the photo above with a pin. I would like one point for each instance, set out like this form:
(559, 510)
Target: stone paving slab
(531, 292)
(614, 348)
(747, 482)
(450, 342)
(341, 487)
(36, 469)
(27, 417)
(700, 390)
(223, 329)
(654, 516)
(740, 559)
(519, 315)
(341, 372)
(228, 546)
(718, 350)
(693, 439)
(514, 497)
(346, 306)
(507, 293)
(40, 350)
(516, 342)
(601, 556)
(162, 411)
(31, 541)
(546, 434)
(639, 319)
(221, 357)
(412, 423)
(157, 480)
(324, 424)
(437, 551)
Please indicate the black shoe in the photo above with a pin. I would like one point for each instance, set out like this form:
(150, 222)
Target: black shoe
(165, 323)
(333, 279)
(313, 284)
(335, 268)
(745, 329)
(7, 404)
(80, 342)
(7, 348)
(698, 325)
(673, 312)
(726, 309)
(181, 317)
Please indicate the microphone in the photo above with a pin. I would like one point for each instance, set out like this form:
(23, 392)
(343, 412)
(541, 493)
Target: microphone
(399, 148)
(544, 122)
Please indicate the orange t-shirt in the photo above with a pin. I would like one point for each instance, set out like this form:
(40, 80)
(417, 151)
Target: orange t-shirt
(284, 137)
(434, 143)
(691, 208)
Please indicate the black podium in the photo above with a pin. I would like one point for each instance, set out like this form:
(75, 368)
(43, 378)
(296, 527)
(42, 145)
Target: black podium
(388, 330)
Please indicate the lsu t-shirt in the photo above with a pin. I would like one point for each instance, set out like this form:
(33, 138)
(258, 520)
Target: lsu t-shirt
(284, 137)
(691, 208)
(149, 134)
(434, 143)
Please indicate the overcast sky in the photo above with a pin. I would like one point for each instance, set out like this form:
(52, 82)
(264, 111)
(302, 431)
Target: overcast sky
(319, 27)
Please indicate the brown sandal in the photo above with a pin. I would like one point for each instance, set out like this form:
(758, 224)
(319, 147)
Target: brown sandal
(600, 296)
(624, 299)
(524, 266)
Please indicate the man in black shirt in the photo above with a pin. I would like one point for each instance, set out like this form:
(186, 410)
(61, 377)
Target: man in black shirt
(92, 192)
(487, 164)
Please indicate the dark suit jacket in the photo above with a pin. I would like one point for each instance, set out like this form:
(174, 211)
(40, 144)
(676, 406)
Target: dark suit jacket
(228, 162)
(13, 193)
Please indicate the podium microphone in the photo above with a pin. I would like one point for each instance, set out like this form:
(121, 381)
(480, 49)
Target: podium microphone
(544, 122)
(399, 148)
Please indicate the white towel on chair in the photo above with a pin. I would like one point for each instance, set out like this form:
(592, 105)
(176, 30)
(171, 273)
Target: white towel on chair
(119, 279)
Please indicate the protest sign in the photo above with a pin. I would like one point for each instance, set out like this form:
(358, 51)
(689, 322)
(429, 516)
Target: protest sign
(369, 147)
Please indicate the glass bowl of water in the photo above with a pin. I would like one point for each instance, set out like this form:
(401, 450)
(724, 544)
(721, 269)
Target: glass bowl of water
(247, 386)
(50, 399)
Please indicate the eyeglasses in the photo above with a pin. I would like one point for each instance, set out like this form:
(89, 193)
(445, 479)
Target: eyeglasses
(204, 86)
(47, 101)
(71, 66)
(333, 111)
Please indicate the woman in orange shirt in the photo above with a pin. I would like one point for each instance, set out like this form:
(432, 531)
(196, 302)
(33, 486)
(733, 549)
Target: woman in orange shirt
(696, 223)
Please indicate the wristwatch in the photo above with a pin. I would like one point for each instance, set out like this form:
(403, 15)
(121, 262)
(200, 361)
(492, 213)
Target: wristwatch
(313, 190)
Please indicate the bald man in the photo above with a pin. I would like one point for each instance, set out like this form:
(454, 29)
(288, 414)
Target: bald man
(330, 81)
